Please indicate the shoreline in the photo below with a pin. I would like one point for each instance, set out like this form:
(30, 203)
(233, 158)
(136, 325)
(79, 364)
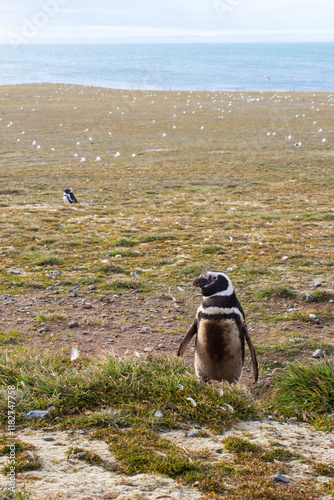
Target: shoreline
(102, 87)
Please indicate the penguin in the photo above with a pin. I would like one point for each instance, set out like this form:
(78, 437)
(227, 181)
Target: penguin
(69, 196)
(220, 331)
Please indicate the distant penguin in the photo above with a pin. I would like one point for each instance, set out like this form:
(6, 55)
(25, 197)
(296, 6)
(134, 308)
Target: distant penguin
(69, 196)
(220, 330)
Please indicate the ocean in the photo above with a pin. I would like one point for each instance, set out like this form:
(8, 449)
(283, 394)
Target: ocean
(284, 67)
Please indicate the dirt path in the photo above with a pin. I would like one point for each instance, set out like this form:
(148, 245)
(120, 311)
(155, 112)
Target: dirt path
(63, 478)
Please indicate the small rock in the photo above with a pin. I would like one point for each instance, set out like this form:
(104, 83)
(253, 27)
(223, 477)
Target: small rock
(73, 324)
(281, 479)
(137, 273)
(80, 431)
(110, 341)
(158, 414)
(198, 427)
(161, 346)
(318, 326)
(92, 287)
(75, 293)
(317, 285)
(139, 290)
(310, 298)
(219, 450)
(87, 305)
(49, 438)
(145, 329)
(191, 435)
(319, 353)
(37, 415)
(80, 455)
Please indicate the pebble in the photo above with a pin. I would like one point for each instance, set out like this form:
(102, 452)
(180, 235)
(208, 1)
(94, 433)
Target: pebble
(161, 346)
(158, 414)
(37, 415)
(319, 353)
(49, 438)
(87, 305)
(191, 435)
(73, 324)
(281, 479)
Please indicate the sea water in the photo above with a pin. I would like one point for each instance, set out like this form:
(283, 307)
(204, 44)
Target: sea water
(201, 66)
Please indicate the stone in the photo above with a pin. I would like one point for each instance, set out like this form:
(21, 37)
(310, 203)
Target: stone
(158, 414)
(87, 305)
(319, 353)
(281, 479)
(191, 435)
(37, 415)
(73, 324)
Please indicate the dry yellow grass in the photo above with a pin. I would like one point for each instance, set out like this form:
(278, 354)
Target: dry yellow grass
(213, 192)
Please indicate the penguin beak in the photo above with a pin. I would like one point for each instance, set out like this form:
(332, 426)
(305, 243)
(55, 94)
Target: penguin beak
(201, 282)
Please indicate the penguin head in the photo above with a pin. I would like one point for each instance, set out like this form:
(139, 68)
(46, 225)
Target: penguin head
(68, 190)
(212, 283)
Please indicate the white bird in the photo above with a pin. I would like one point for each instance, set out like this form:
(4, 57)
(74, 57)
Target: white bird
(117, 154)
(324, 140)
(83, 160)
(98, 158)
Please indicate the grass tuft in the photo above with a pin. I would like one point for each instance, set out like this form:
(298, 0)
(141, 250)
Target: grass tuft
(306, 387)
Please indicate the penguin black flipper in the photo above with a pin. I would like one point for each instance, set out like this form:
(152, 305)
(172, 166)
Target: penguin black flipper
(187, 338)
(252, 353)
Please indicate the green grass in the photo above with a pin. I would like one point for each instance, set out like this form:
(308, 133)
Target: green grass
(10, 337)
(240, 445)
(137, 388)
(277, 292)
(51, 317)
(306, 387)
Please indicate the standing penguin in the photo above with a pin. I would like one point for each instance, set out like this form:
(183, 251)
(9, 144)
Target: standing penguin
(220, 330)
(69, 196)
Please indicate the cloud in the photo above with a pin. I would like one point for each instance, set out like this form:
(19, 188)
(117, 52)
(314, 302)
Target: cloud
(80, 20)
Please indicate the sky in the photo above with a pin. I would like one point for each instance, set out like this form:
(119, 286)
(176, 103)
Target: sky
(152, 21)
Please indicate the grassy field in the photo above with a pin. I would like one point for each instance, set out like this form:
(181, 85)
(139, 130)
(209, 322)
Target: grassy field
(173, 184)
